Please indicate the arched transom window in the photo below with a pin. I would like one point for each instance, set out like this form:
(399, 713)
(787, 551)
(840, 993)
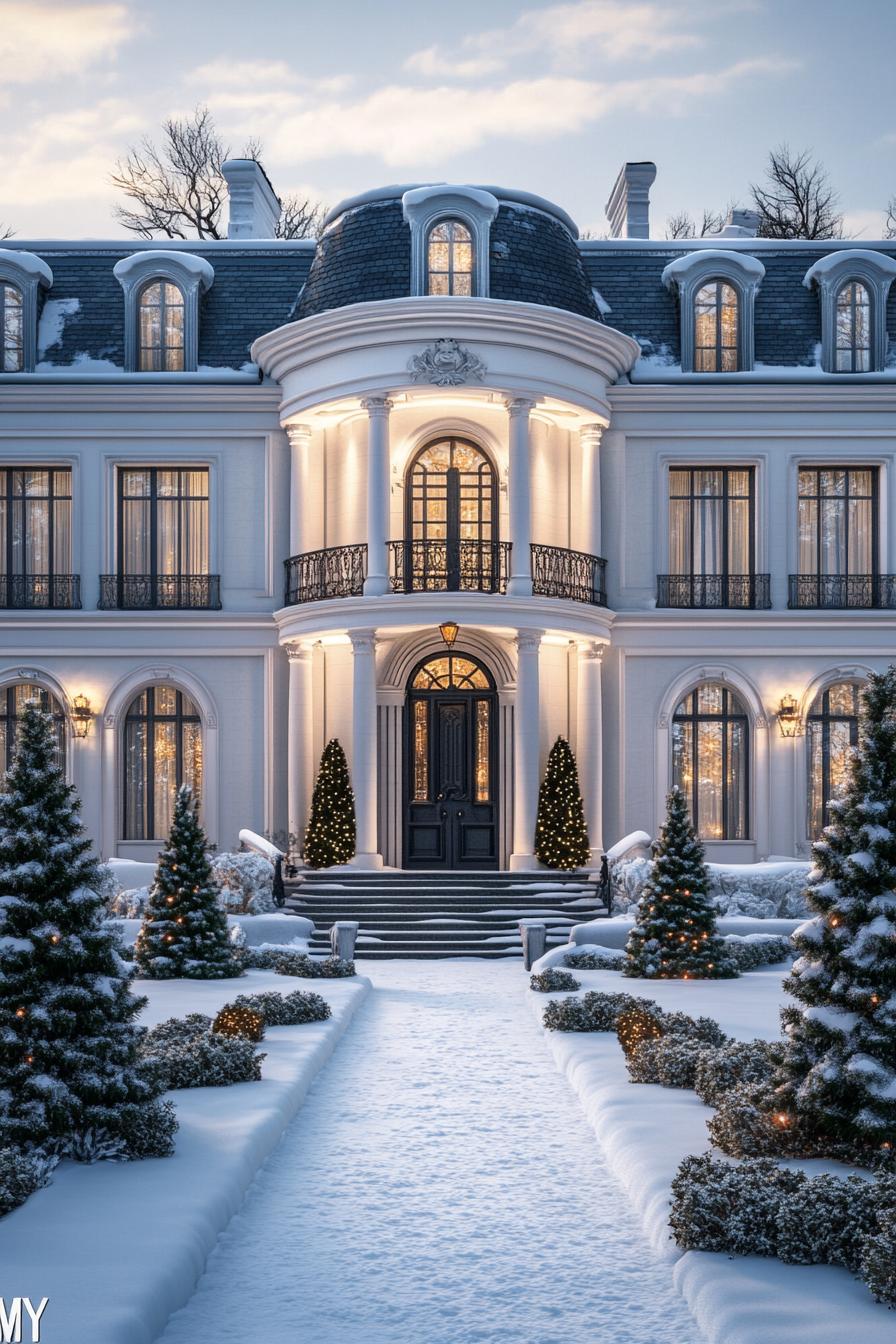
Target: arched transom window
(853, 329)
(13, 700)
(832, 731)
(710, 736)
(12, 327)
(451, 672)
(162, 751)
(450, 259)
(161, 328)
(451, 523)
(715, 328)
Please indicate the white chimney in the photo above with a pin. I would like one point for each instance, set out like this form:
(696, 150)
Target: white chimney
(254, 206)
(628, 208)
(741, 224)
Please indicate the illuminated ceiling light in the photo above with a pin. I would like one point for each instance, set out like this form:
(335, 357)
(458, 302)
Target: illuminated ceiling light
(82, 715)
(449, 631)
(789, 716)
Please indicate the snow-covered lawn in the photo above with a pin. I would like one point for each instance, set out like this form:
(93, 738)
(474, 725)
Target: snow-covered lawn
(118, 1247)
(645, 1131)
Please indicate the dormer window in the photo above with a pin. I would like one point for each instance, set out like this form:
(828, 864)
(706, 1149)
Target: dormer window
(12, 326)
(22, 276)
(161, 309)
(161, 322)
(853, 329)
(717, 296)
(450, 259)
(715, 328)
(853, 285)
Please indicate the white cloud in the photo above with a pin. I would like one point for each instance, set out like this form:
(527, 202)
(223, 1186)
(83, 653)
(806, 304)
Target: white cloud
(41, 40)
(66, 155)
(869, 225)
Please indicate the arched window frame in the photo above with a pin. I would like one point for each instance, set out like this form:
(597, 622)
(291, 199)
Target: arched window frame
(829, 276)
(734, 710)
(180, 718)
(690, 273)
(27, 273)
(425, 207)
(421, 550)
(820, 718)
(851, 290)
(164, 348)
(452, 242)
(192, 275)
(52, 699)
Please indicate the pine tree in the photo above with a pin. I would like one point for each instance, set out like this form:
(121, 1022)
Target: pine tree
(839, 1069)
(184, 930)
(330, 837)
(561, 836)
(68, 1042)
(674, 934)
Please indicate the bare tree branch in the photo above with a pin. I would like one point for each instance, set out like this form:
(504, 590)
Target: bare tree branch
(6, 232)
(300, 218)
(797, 199)
(890, 223)
(682, 225)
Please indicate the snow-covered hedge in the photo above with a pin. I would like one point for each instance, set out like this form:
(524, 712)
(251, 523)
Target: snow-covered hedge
(593, 960)
(284, 1010)
(757, 949)
(744, 1125)
(762, 890)
(130, 904)
(245, 883)
(286, 961)
(554, 978)
(878, 1264)
(717, 1071)
(20, 1175)
(185, 1052)
(669, 1061)
(594, 1011)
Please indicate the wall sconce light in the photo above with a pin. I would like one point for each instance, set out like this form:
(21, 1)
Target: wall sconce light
(82, 715)
(789, 716)
(449, 631)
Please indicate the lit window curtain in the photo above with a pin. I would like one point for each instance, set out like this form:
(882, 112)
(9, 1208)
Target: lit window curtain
(708, 523)
(163, 749)
(62, 522)
(35, 552)
(832, 732)
(4, 523)
(136, 514)
(740, 506)
(710, 761)
(859, 556)
(680, 522)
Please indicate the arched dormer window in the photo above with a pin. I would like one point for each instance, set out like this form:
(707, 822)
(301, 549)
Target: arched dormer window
(22, 276)
(717, 297)
(710, 760)
(450, 229)
(449, 259)
(853, 286)
(161, 309)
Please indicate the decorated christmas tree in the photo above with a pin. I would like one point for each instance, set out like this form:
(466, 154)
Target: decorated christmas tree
(674, 935)
(561, 836)
(330, 837)
(184, 930)
(839, 1070)
(68, 1043)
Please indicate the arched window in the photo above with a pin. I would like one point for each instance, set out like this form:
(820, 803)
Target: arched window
(161, 327)
(832, 730)
(13, 700)
(12, 326)
(715, 328)
(451, 520)
(853, 329)
(162, 750)
(450, 259)
(710, 737)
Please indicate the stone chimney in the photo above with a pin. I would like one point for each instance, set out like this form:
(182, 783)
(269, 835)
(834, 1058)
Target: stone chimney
(628, 208)
(741, 224)
(254, 206)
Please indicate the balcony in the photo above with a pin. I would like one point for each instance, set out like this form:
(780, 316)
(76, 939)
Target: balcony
(336, 571)
(839, 592)
(748, 592)
(449, 567)
(160, 592)
(573, 576)
(43, 592)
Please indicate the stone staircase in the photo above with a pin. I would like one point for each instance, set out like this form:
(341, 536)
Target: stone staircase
(427, 915)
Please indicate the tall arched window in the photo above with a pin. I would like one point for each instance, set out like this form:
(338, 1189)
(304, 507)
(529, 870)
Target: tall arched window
(162, 750)
(715, 328)
(13, 700)
(449, 259)
(710, 761)
(832, 731)
(451, 521)
(12, 326)
(161, 327)
(853, 329)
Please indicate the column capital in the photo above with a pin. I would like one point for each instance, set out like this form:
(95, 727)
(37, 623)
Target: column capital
(298, 432)
(376, 405)
(521, 406)
(363, 641)
(591, 434)
(528, 639)
(592, 650)
(298, 653)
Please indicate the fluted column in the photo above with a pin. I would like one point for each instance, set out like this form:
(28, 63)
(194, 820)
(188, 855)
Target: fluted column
(299, 449)
(299, 731)
(364, 748)
(589, 744)
(519, 492)
(526, 742)
(589, 440)
(378, 492)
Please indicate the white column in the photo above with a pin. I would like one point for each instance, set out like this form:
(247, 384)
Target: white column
(299, 449)
(589, 440)
(379, 465)
(519, 490)
(589, 743)
(299, 748)
(525, 750)
(364, 748)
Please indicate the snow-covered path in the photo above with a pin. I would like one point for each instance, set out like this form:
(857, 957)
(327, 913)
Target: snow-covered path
(440, 1186)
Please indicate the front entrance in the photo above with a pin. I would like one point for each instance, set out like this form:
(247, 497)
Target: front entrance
(451, 805)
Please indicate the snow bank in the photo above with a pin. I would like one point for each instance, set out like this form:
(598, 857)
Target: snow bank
(636, 845)
(260, 845)
(119, 1247)
(763, 890)
(129, 874)
(614, 932)
(275, 928)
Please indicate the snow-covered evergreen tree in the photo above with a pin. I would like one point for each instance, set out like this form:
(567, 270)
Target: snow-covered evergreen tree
(68, 1044)
(839, 1070)
(674, 934)
(330, 837)
(561, 835)
(184, 930)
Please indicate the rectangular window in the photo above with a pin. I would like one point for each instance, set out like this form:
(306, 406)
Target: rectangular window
(837, 519)
(163, 522)
(35, 533)
(712, 536)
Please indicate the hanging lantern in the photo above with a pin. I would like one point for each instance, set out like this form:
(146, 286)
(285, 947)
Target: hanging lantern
(449, 631)
(789, 716)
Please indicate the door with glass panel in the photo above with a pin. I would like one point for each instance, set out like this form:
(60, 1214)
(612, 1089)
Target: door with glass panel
(711, 539)
(451, 520)
(163, 549)
(451, 803)
(36, 538)
(837, 563)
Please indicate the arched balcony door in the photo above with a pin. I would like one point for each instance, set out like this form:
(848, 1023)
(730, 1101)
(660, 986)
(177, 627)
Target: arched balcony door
(451, 520)
(451, 738)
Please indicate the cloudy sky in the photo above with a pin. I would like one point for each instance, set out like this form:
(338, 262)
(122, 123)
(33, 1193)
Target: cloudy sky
(357, 93)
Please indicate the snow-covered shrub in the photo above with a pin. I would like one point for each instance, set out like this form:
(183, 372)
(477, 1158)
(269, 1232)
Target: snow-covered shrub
(718, 1070)
(594, 1011)
(717, 1206)
(237, 935)
(699, 1031)
(148, 1130)
(245, 883)
(286, 961)
(185, 1052)
(106, 884)
(129, 904)
(823, 1221)
(757, 949)
(235, 1019)
(669, 1061)
(760, 890)
(594, 961)
(553, 979)
(746, 1124)
(21, 1174)
(285, 1010)
(878, 1259)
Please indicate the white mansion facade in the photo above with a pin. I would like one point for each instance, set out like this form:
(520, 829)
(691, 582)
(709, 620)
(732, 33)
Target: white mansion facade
(244, 483)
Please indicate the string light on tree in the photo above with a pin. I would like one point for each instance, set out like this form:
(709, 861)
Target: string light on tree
(561, 835)
(330, 837)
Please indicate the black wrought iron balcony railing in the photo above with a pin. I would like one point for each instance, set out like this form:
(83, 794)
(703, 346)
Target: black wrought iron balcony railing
(157, 592)
(842, 591)
(43, 592)
(749, 592)
(336, 571)
(449, 566)
(573, 575)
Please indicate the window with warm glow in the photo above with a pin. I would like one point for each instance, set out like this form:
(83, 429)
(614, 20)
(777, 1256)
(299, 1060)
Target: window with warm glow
(710, 737)
(12, 326)
(837, 521)
(711, 521)
(163, 521)
(449, 257)
(13, 700)
(160, 316)
(35, 534)
(715, 328)
(162, 751)
(853, 328)
(832, 732)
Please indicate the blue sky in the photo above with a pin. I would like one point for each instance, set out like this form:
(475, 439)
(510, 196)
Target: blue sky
(548, 97)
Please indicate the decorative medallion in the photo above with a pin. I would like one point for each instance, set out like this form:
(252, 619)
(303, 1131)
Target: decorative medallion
(446, 363)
